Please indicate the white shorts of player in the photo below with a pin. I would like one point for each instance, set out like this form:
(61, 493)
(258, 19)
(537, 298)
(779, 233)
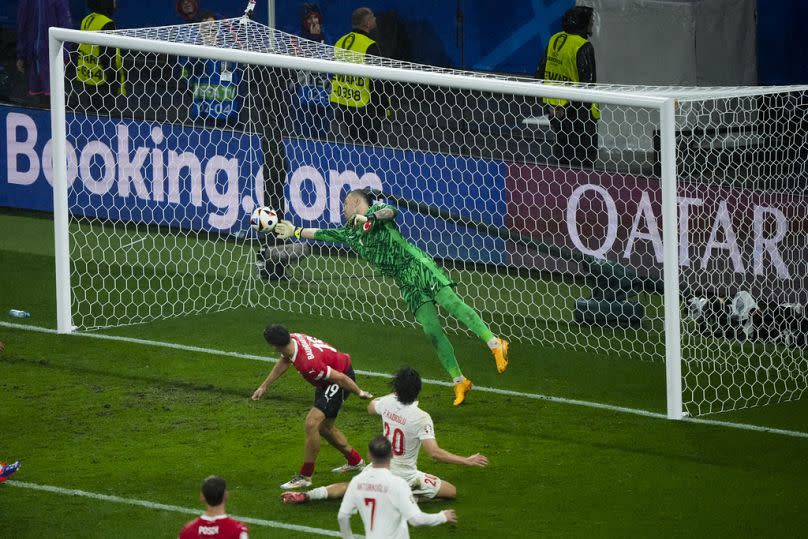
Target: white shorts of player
(423, 484)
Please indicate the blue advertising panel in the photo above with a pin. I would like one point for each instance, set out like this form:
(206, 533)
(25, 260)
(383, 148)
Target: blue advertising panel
(320, 174)
(131, 170)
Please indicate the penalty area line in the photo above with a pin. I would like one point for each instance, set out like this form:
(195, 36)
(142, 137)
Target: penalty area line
(482, 389)
(166, 507)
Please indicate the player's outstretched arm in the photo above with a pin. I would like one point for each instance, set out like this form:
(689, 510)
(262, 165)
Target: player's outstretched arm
(285, 230)
(345, 382)
(404, 501)
(433, 519)
(280, 367)
(441, 455)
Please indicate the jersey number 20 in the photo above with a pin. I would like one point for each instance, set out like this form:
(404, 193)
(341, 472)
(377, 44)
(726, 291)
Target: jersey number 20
(396, 440)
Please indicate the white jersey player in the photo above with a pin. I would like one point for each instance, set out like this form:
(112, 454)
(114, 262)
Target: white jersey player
(383, 500)
(408, 428)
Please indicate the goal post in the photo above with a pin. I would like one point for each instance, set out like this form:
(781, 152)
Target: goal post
(670, 238)
(151, 200)
(64, 323)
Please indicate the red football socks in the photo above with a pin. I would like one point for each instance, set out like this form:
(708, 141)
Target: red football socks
(353, 458)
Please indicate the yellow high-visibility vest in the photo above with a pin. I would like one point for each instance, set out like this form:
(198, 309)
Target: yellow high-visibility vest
(562, 65)
(348, 90)
(89, 69)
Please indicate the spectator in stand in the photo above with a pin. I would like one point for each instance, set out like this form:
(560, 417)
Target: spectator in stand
(312, 23)
(189, 11)
(214, 523)
(570, 57)
(34, 17)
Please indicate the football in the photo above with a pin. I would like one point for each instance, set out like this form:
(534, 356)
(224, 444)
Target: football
(263, 219)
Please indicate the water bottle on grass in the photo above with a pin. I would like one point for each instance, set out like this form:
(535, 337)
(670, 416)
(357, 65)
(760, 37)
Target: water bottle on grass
(16, 313)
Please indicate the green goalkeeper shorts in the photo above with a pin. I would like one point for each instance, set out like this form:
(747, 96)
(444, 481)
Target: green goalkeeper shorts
(419, 282)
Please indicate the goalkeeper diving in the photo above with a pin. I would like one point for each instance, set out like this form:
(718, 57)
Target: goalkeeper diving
(371, 231)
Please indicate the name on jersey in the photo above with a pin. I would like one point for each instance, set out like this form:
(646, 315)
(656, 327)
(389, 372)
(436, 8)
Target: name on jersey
(306, 349)
(208, 530)
(394, 417)
(373, 487)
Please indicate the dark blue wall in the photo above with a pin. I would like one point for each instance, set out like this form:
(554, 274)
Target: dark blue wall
(782, 47)
(140, 13)
(505, 35)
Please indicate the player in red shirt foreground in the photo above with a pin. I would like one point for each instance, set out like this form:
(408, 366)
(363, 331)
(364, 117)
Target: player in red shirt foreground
(330, 372)
(215, 523)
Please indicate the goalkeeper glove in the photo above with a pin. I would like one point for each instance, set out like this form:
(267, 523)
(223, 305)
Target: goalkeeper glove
(357, 219)
(285, 230)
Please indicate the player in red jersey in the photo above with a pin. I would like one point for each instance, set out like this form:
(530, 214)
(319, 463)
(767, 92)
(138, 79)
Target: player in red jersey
(214, 524)
(330, 372)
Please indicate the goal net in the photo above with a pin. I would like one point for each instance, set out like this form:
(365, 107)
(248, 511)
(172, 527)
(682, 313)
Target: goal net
(743, 248)
(551, 222)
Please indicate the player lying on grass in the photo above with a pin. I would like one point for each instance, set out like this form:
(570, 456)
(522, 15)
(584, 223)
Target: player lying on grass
(408, 428)
(371, 231)
(330, 372)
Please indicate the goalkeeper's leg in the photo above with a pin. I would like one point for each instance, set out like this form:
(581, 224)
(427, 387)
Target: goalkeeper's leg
(427, 316)
(449, 300)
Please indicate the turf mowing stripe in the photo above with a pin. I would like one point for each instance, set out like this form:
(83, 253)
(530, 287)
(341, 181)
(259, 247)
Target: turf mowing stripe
(166, 507)
(535, 396)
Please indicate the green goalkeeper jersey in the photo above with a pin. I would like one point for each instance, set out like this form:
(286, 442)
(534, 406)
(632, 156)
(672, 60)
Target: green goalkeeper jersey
(381, 244)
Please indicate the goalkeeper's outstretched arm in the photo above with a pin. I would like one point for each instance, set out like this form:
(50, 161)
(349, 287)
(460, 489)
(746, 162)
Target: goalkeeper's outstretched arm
(285, 230)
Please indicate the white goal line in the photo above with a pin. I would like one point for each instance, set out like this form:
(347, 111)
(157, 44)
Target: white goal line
(166, 507)
(508, 392)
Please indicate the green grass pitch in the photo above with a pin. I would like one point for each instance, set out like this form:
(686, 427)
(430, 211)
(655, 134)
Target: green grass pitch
(140, 422)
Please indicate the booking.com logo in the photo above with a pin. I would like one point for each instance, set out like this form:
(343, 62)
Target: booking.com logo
(158, 171)
(313, 197)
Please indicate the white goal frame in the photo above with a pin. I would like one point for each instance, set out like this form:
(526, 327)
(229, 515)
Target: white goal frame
(663, 102)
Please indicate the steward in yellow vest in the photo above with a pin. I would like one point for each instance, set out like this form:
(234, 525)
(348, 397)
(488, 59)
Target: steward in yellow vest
(570, 57)
(357, 111)
(347, 90)
(100, 67)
